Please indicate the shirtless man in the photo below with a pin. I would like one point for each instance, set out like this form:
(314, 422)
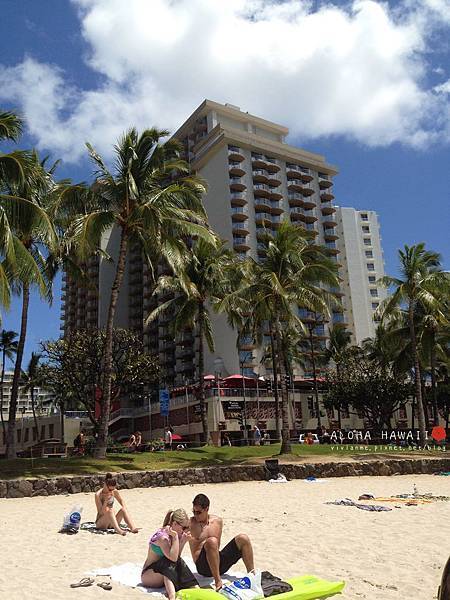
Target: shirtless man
(206, 532)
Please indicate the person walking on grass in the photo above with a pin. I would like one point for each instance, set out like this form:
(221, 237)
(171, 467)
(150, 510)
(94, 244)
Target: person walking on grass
(204, 541)
(104, 500)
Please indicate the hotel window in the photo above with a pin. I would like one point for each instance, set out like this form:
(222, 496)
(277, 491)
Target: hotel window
(312, 407)
(370, 267)
(366, 229)
(367, 242)
(374, 293)
(375, 305)
(372, 279)
(369, 254)
(27, 434)
(364, 217)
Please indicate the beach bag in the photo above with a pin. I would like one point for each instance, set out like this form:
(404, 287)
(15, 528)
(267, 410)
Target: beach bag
(245, 588)
(272, 585)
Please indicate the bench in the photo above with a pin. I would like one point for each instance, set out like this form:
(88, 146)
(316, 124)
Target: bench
(50, 450)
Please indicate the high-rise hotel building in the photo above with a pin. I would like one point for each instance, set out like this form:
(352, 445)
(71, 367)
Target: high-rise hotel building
(361, 256)
(255, 181)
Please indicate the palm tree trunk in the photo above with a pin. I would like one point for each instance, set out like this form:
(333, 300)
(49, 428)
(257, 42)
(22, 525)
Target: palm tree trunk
(275, 382)
(33, 408)
(417, 379)
(105, 403)
(316, 389)
(62, 411)
(201, 374)
(338, 372)
(285, 442)
(1, 396)
(11, 433)
(433, 379)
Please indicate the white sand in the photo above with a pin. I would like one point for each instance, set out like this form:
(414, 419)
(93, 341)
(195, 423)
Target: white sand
(382, 556)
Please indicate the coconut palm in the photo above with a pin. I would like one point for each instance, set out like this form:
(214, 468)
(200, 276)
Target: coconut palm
(30, 379)
(154, 203)
(289, 276)
(27, 234)
(420, 285)
(200, 283)
(10, 126)
(8, 348)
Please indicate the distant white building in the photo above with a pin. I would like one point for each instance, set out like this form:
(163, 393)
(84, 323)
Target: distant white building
(42, 397)
(361, 257)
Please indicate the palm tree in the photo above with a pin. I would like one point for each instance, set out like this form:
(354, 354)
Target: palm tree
(154, 203)
(8, 348)
(200, 282)
(420, 284)
(10, 126)
(289, 276)
(26, 232)
(30, 380)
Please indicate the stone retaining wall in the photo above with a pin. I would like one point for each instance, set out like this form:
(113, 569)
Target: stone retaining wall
(20, 488)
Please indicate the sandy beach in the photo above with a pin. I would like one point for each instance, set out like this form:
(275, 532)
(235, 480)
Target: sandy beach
(381, 556)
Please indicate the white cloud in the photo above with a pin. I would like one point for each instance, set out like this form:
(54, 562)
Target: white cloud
(356, 71)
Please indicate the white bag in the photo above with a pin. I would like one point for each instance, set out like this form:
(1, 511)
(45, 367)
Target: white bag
(245, 588)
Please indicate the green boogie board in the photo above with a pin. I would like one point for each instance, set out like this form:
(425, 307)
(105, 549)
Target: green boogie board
(306, 587)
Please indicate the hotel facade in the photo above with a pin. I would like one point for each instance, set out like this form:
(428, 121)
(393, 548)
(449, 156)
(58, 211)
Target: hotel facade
(255, 181)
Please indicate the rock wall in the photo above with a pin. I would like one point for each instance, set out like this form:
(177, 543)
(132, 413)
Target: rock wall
(20, 488)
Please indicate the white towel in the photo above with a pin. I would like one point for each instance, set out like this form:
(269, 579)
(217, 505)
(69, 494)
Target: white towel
(129, 574)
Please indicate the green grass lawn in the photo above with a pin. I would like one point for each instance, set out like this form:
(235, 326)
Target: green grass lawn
(152, 461)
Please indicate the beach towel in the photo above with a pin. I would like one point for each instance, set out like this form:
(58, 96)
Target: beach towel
(129, 574)
(369, 507)
(443, 473)
(91, 526)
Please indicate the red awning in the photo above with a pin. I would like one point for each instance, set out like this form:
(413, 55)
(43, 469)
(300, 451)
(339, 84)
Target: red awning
(234, 377)
(209, 377)
(176, 437)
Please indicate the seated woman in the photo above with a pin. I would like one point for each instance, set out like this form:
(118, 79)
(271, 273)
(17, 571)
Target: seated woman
(104, 500)
(164, 565)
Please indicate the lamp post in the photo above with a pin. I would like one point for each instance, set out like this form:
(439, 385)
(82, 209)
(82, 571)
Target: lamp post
(218, 367)
(187, 404)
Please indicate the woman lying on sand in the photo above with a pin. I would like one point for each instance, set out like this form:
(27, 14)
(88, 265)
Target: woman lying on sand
(164, 565)
(104, 500)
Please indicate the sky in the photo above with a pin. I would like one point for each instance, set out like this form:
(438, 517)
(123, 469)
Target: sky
(366, 83)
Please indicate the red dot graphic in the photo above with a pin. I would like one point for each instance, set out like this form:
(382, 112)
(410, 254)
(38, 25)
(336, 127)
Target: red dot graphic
(438, 433)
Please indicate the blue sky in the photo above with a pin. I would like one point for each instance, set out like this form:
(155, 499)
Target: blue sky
(365, 83)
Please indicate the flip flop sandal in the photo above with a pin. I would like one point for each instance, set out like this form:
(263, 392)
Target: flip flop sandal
(85, 582)
(105, 585)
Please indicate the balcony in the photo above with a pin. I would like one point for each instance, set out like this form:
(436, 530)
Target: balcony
(327, 208)
(263, 234)
(296, 213)
(309, 216)
(262, 203)
(324, 181)
(274, 179)
(237, 184)
(295, 185)
(261, 248)
(235, 169)
(276, 193)
(271, 165)
(185, 353)
(260, 175)
(262, 217)
(240, 227)
(238, 198)
(308, 203)
(338, 318)
(241, 243)
(235, 154)
(331, 247)
(292, 171)
(326, 196)
(329, 221)
(330, 233)
(239, 213)
(295, 199)
(306, 190)
(258, 161)
(277, 207)
(306, 315)
(306, 174)
(261, 189)
(276, 221)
